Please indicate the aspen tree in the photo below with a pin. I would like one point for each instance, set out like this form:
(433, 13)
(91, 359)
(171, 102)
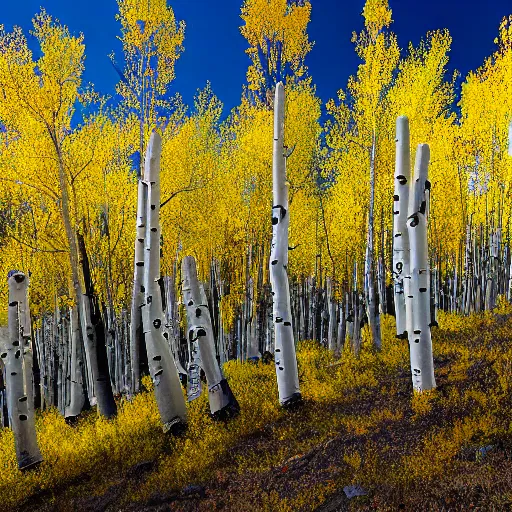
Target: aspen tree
(331, 306)
(77, 398)
(400, 232)
(16, 357)
(420, 341)
(199, 326)
(152, 43)
(93, 329)
(166, 381)
(285, 358)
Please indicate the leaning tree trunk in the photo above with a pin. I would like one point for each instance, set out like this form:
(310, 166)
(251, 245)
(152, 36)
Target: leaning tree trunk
(17, 357)
(420, 341)
(400, 233)
(285, 358)
(166, 381)
(223, 404)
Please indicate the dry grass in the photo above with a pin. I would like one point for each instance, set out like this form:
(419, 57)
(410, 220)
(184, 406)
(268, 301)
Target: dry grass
(360, 424)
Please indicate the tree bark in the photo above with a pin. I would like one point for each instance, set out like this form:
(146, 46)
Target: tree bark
(372, 311)
(17, 356)
(285, 358)
(166, 381)
(222, 401)
(420, 342)
(77, 398)
(136, 335)
(94, 329)
(400, 233)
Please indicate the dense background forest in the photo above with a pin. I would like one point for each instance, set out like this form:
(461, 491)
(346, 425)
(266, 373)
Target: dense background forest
(61, 140)
(86, 178)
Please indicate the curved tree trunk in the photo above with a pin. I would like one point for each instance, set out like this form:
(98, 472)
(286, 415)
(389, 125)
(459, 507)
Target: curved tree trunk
(222, 401)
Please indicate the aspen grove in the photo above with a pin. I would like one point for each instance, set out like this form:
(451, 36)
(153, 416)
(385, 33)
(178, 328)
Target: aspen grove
(139, 236)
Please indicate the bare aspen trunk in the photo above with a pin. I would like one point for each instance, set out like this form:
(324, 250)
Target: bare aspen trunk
(223, 404)
(358, 309)
(420, 342)
(4, 414)
(94, 340)
(136, 335)
(16, 354)
(166, 381)
(434, 293)
(342, 326)
(331, 306)
(401, 270)
(253, 352)
(371, 309)
(77, 398)
(285, 358)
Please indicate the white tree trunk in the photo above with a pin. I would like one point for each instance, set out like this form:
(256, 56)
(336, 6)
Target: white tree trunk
(222, 401)
(285, 357)
(369, 274)
(77, 398)
(100, 379)
(168, 392)
(400, 234)
(331, 305)
(137, 293)
(16, 355)
(420, 342)
(253, 352)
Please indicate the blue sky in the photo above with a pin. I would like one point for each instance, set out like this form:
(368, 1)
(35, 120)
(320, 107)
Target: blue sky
(214, 48)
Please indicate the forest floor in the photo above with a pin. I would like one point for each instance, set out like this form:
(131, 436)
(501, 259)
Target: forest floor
(360, 425)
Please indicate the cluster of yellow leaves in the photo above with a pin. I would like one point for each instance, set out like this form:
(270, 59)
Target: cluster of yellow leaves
(276, 21)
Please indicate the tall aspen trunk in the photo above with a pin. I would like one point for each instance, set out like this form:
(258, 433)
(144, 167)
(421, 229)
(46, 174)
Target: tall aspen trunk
(17, 355)
(223, 404)
(400, 234)
(73, 252)
(420, 342)
(369, 278)
(285, 358)
(166, 381)
(136, 334)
